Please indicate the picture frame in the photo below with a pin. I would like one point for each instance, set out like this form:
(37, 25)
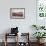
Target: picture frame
(17, 13)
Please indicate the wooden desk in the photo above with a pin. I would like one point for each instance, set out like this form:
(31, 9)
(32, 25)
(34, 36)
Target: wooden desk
(22, 34)
(8, 34)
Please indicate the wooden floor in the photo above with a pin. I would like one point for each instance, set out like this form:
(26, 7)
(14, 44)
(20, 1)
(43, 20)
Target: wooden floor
(13, 44)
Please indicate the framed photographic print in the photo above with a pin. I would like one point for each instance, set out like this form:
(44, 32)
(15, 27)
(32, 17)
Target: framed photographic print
(17, 13)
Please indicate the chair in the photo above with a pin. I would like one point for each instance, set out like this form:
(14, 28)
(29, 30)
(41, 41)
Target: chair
(14, 32)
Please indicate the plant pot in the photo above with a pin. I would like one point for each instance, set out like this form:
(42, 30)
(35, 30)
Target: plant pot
(38, 40)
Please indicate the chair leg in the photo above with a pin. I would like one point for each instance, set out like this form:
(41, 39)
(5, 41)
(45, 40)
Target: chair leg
(5, 40)
(5, 43)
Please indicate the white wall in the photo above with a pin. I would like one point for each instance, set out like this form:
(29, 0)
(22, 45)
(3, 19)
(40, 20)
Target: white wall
(23, 24)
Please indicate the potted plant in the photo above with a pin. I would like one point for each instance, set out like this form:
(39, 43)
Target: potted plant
(38, 27)
(35, 27)
(39, 36)
(42, 27)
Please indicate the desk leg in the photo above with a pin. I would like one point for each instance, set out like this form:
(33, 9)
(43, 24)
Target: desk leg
(5, 40)
(17, 40)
